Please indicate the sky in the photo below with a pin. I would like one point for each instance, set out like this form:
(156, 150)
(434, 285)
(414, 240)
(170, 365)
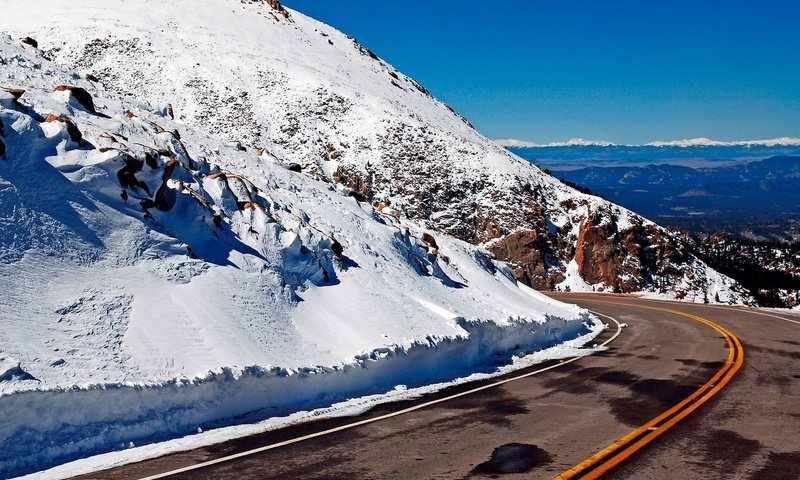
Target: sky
(624, 71)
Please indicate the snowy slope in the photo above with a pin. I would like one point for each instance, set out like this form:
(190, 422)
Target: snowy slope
(156, 280)
(272, 78)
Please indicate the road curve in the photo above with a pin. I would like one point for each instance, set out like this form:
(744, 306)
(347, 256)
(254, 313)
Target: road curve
(543, 425)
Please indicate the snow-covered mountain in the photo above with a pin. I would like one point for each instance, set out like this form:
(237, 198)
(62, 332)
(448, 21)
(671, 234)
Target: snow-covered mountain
(686, 143)
(574, 142)
(707, 142)
(211, 208)
(270, 78)
(156, 280)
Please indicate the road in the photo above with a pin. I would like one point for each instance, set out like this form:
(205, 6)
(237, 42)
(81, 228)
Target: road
(545, 424)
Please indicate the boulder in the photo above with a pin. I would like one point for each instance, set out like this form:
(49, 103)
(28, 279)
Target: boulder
(430, 240)
(29, 41)
(337, 248)
(80, 95)
(15, 92)
(72, 129)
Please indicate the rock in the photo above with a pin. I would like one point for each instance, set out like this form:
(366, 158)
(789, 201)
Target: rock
(127, 175)
(29, 41)
(276, 5)
(72, 129)
(357, 195)
(165, 198)
(15, 92)
(92, 78)
(80, 95)
(170, 111)
(2, 148)
(430, 240)
(294, 167)
(337, 248)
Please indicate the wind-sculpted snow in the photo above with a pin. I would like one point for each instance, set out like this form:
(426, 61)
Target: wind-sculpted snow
(156, 279)
(310, 95)
(123, 415)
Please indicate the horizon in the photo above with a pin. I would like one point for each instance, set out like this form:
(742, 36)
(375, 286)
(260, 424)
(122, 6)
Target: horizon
(624, 70)
(696, 141)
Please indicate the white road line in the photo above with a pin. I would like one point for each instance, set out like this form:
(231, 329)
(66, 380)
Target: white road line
(750, 310)
(382, 417)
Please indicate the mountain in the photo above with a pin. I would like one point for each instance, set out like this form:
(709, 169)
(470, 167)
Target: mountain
(766, 188)
(311, 95)
(685, 143)
(222, 210)
(575, 142)
(706, 142)
(157, 281)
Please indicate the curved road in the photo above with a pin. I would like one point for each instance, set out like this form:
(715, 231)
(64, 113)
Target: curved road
(547, 423)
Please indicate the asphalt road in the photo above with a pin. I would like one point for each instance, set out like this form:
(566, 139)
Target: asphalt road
(545, 424)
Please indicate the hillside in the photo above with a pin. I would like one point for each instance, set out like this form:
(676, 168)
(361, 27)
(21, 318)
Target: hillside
(264, 77)
(157, 282)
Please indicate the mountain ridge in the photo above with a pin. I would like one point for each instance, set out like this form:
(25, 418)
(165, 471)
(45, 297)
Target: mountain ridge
(693, 142)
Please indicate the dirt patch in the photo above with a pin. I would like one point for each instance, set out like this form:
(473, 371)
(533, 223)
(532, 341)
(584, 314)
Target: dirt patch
(514, 458)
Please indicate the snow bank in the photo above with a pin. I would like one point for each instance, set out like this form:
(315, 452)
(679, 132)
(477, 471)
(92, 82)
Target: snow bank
(39, 429)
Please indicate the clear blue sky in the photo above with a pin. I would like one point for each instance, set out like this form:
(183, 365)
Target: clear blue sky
(625, 71)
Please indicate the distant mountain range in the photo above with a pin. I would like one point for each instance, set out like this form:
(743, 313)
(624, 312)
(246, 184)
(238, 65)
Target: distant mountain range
(765, 187)
(696, 153)
(691, 142)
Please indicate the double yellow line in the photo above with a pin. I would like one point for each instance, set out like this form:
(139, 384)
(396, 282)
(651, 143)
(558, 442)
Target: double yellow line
(616, 453)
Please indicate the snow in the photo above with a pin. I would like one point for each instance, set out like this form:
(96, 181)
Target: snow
(226, 303)
(127, 453)
(706, 142)
(574, 142)
(693, 142)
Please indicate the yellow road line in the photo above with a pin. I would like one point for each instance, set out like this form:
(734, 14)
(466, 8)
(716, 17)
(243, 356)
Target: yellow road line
(382, 417)
(619, 451)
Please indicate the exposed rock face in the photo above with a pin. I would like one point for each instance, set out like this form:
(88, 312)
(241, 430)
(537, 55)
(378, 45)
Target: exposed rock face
(2, 148)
